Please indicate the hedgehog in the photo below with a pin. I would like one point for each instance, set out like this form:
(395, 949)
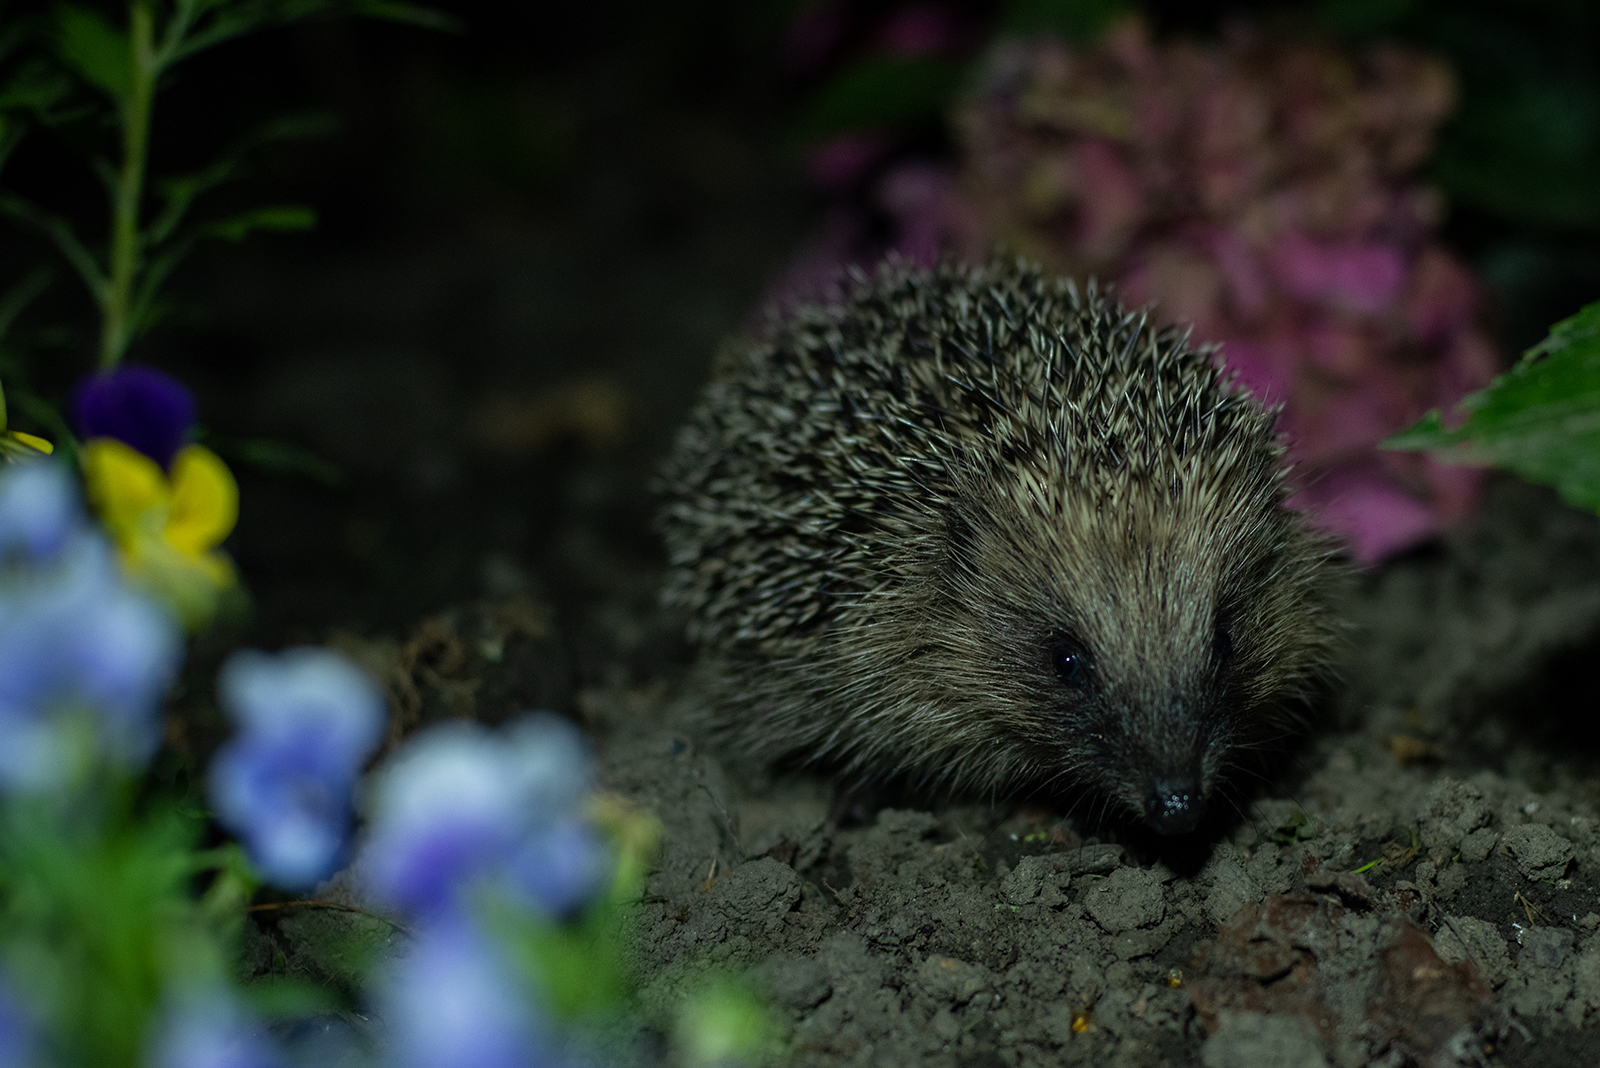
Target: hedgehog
(982, 530)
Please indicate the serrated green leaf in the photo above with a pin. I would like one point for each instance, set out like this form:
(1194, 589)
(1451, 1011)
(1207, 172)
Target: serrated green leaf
(95, 49)
(1429, 432)
(880, 92)
(1541, 419)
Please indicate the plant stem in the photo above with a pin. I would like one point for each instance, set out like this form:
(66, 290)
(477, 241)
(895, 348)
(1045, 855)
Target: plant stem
(115, 327)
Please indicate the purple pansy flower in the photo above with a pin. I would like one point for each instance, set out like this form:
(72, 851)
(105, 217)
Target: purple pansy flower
(308, 719)
(140, 407)
(462, 806)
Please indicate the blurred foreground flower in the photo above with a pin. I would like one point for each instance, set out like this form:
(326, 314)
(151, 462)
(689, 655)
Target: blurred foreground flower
(15, 446)
(84, 659)
(138, 406)
(307, 721)
(39, 511)
(167, 529)
(453, 1001)
(16, 1031)
(167, 505)
(462, 807)
(209, 1030)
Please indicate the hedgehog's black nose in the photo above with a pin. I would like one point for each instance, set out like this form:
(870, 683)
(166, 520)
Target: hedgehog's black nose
(1175, 805)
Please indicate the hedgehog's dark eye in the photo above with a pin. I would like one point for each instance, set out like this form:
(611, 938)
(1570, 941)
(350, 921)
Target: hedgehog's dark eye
(1070, 662)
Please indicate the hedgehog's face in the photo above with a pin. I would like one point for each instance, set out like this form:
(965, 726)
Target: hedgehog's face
(1134, 652)
(1154, 740)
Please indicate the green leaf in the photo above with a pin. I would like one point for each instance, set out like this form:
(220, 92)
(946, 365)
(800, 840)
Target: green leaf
(1541, 419)
(146, 309)
(880, 92)
(95, 49)
(180, 191)
(60, 231)
(21, 295)
(1429, 432)
(35, 88)
(277, 217)
(279, 457)
(412, 14)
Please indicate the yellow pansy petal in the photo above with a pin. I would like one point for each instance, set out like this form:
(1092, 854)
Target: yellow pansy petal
(205, 501)
(32, 441)
(123, 483)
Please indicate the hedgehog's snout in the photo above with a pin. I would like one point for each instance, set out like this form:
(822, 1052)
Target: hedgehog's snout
(1175, 804)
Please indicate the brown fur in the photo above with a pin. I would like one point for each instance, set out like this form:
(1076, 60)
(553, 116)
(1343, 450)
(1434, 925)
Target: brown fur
(886, 518)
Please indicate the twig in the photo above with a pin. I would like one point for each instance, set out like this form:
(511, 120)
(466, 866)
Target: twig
(274, 906)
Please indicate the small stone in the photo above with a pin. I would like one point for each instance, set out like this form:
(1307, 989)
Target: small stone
(1467, 938)
(951, 981)
(1094, 859)
(1547, 947)
(1037, 880)
(1586, 978)
(1451, 882)
(1231, 888)
(945, 1025)
(1540, 852)
(1454, 809)
(796, 984)
(1476, 846)
(1128, 898)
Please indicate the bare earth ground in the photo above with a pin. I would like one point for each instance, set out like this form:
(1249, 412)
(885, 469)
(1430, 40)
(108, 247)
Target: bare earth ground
(1421, 886)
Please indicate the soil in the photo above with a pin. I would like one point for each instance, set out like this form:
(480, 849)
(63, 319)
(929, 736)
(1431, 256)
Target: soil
(1420, 883)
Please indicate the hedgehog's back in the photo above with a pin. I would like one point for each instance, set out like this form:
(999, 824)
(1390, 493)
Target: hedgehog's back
(841, 430)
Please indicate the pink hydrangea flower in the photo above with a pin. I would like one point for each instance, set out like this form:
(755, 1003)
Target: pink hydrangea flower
(1262, 191)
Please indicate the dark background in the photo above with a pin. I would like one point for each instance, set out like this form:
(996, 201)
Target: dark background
(599, 193)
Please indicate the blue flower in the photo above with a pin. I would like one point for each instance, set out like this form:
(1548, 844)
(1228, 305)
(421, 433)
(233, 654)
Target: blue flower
(560, 868)
(208, 1030)
(308, 719)
(138, 406)
(461, 807)
(452, 1002)
(78, 648)
(17, 1036)
(39, 511)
